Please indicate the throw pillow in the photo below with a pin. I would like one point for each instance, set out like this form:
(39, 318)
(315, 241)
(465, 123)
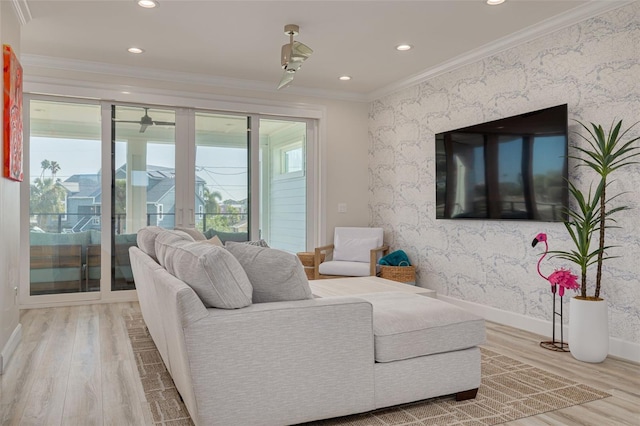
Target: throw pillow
(259, 243)
(211, 271)
(146, 240)
(354, 250)
(215, 240)
(164, 239)
(195, 234)
(275, 275)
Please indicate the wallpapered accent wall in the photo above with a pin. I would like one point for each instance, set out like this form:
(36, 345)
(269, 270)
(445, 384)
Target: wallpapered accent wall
(592, 66)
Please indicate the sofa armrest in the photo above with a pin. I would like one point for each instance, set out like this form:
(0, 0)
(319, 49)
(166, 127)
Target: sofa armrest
(317, 260)
(282, 362)
(376, 254)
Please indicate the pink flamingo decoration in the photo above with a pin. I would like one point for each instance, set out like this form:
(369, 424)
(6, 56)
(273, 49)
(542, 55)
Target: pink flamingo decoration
(563, 278)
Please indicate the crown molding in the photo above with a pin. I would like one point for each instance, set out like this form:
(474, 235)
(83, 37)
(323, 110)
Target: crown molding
(75, 65)
(61, 87)
(564, 20)
(22, 10)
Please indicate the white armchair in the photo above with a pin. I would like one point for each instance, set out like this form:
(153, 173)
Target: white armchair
(354, 253)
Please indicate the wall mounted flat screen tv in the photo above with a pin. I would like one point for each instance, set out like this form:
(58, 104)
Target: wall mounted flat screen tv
(512, 168)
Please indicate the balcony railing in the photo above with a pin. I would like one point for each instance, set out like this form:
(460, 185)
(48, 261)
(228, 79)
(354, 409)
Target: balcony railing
(78, 222)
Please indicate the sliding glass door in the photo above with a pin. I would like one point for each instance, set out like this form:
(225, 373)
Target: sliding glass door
(144, 181)
(222, 176)
(283, 188)
(64, 164)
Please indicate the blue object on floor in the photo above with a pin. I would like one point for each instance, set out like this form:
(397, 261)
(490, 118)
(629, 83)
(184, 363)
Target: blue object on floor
(396, 258)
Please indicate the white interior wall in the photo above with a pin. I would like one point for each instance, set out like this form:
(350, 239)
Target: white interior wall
(9, 220)
(593, 66)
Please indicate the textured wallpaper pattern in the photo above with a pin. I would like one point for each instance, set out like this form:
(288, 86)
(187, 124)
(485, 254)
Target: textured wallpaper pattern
(594, 67)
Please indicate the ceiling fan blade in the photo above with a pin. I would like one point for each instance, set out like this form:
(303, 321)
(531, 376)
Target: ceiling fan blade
(300, 51)
(287, 78)
(163, 123)
(143, 127)
(126, 121)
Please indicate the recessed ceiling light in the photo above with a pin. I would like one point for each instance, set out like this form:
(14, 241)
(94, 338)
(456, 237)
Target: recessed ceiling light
(494, 2)
(345, 77)
(148, 4)
(403, 47)
(135, 50)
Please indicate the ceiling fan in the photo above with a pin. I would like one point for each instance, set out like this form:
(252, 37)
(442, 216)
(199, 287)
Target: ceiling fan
(293, 55)
(146, 121)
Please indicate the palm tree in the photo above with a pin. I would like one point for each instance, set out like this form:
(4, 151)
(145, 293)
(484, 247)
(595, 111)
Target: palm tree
(47, 196)
(211, 200)
(55, 168)
(44, 165)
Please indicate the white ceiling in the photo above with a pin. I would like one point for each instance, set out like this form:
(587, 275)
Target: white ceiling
(238, 42)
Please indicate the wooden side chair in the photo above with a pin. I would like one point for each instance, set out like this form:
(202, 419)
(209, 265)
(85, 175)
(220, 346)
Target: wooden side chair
(354, 253)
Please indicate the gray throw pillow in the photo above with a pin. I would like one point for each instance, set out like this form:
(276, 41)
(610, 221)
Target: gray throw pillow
(259, 243)
(211, 271)
(164, 239)
(146, 240)
(275, 275)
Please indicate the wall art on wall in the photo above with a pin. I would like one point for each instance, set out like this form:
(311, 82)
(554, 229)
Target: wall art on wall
(12, 92)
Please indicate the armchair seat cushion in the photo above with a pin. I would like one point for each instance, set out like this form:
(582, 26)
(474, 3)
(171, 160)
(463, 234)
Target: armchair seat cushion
(410, 325)
(351, 269)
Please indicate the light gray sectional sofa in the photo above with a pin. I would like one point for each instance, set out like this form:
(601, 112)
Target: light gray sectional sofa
(247, 344)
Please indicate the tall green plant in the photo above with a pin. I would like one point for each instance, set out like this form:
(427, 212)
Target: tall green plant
(606, 153)
(581, 224)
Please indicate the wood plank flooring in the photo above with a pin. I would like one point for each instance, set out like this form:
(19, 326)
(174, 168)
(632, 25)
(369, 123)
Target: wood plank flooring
(75, 366)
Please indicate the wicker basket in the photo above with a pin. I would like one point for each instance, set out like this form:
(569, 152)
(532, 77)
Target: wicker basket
(403, 274)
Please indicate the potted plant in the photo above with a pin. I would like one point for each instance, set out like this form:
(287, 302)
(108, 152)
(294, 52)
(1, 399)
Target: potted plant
(604, 153)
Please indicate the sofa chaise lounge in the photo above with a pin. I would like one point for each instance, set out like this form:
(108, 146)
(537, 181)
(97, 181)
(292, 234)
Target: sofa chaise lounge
(293, 361)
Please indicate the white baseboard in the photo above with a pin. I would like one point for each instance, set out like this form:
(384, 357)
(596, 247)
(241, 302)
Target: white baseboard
(10, 347)
(629, 351)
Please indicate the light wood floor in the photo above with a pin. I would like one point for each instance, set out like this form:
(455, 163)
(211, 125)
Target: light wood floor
(74, 366)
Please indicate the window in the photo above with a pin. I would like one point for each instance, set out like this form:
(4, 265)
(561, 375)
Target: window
(292, 160)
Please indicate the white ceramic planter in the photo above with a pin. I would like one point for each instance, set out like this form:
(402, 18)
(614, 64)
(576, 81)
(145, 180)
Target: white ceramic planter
(588, 330)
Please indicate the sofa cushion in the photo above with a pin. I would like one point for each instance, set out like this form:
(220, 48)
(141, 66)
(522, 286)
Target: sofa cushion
(211, 271)
(275, 275)
(351, 269)
(410, 325)
(146, 239)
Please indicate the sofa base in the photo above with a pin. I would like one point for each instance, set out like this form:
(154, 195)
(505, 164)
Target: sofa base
(465, 395)
(415, 379)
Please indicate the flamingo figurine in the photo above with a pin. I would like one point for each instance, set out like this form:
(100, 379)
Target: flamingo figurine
(563, 278)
